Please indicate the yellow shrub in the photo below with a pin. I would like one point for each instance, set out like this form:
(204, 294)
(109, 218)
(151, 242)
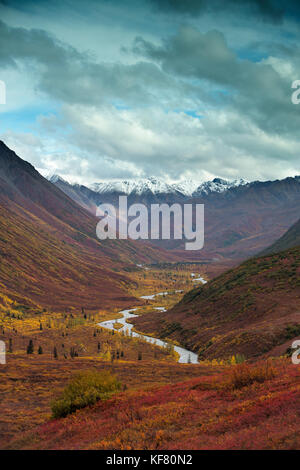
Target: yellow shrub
(84, 389)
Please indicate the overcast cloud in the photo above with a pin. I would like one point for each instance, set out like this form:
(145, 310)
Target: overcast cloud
(165, 88)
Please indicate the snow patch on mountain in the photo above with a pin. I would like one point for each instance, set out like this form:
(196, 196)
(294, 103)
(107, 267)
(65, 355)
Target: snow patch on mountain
(186, 187)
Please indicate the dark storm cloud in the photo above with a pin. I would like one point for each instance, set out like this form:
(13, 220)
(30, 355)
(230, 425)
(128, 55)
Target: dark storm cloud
(34, 44)
(205, 99)
(255, 88)
(266, 9)
(166, 73)
(74, 77)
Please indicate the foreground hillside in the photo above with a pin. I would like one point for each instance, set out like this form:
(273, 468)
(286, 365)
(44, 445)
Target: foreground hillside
(211, 412)
(248, 310)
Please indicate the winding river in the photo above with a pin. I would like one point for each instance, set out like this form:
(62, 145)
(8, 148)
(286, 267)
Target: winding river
(185, 356)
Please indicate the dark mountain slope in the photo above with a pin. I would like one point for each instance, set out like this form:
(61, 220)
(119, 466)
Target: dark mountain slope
(80, 194)
(48, 246)
(289, 240)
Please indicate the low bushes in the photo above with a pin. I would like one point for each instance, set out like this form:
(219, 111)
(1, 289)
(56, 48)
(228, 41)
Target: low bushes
(84, 389)
(243, 375)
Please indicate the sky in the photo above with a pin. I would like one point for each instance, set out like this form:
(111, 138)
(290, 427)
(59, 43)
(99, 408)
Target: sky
(107, 89)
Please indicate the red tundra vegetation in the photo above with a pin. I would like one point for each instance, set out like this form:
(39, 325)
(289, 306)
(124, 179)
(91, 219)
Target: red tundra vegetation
(261, 411)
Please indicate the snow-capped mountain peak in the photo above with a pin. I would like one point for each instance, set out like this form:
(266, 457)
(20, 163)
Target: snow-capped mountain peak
(217, 185)
(152, 185)
(157, 186)
(141, 186)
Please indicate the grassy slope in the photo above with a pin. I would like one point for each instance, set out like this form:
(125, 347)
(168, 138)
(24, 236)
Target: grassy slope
(258, 416)
(248, 310)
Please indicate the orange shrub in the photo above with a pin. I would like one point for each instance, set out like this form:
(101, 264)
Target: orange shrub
(243, 375)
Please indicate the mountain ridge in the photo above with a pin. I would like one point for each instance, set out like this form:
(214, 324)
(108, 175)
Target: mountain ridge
(187, 188)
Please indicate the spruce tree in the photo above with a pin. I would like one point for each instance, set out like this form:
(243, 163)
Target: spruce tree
(30, 347)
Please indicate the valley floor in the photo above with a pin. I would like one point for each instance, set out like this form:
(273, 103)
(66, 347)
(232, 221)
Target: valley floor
(163, 404)
(29, 382)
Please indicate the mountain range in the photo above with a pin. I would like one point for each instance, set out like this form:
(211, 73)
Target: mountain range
(155, 186)
(241, 218)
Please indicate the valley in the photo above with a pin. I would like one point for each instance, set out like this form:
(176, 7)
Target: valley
(154, 383)
(149, 230)
(248, 310)
(73, 340)
(179, 331)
